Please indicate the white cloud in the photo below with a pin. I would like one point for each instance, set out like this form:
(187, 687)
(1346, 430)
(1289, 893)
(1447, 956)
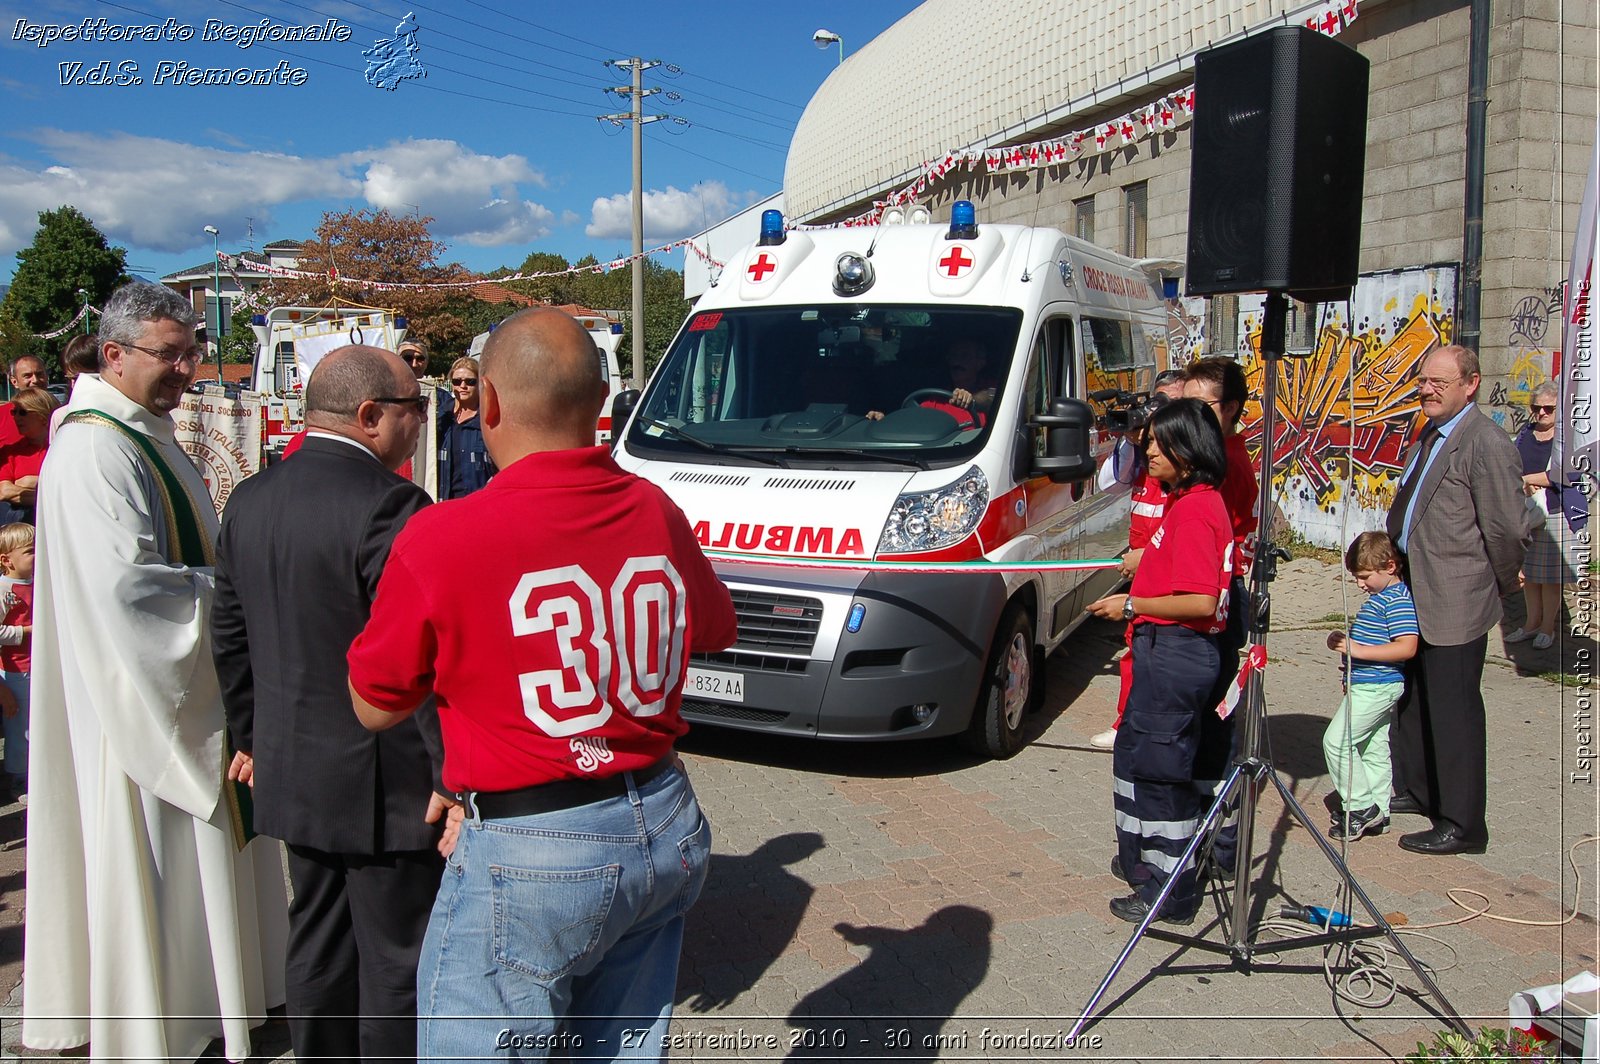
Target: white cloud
(473, 198)
(159, 194)
(669, 213)
(153, 193)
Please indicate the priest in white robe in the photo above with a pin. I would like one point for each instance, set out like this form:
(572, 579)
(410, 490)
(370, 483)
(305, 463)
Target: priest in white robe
(152, 927)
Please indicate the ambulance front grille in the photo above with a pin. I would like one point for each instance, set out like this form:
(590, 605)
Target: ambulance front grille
(726, 480)
(730, 712)
(772, 622)
(754, 662)
(809, 484)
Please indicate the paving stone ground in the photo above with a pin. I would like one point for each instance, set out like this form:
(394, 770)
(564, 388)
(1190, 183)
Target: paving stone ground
(907, 902)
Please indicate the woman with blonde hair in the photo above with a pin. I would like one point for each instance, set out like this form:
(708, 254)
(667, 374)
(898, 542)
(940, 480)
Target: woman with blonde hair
(464, 464)
(1550, 562)
(20, 462)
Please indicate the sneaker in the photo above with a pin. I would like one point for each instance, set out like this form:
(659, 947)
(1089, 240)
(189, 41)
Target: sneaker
(1104, 740)
(1361, 822)
(1543, 641)
(1133, 909)
(1517, 635)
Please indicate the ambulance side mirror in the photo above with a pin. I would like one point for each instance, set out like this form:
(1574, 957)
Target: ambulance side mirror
(622, 405)
(1067, 455)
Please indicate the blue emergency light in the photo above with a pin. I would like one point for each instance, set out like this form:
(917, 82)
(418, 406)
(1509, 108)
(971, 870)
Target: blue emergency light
(858, 613)
(963, 221)
(771, 228)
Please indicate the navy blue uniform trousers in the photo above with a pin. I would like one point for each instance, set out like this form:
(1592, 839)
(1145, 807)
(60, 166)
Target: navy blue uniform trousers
(1156, 804)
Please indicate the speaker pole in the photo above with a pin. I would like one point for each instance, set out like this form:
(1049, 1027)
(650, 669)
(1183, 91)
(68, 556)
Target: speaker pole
(1264, 568)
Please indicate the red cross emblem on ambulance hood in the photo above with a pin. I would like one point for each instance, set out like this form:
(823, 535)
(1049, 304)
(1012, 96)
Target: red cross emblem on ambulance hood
(957, 261)
(760, 267)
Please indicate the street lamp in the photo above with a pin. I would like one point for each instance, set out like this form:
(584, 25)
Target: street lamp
(83, 294)
(823, 38)
(216, 273)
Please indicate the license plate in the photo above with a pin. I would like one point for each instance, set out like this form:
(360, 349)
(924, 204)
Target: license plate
(708, 683)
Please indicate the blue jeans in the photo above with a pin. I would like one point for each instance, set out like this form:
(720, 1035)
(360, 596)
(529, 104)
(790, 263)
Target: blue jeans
(16, 728)
(559, 934)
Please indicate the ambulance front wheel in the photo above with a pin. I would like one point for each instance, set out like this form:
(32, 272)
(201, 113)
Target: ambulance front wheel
(1009, 688)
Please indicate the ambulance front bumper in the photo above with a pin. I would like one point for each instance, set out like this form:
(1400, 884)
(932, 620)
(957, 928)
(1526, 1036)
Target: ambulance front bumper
(911, 669)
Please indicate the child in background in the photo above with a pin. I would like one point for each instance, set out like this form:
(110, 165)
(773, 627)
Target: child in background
(16, 646)
(1384, 635)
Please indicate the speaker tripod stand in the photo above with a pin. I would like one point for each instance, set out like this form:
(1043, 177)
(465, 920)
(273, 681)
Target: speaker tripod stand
(1253, 766)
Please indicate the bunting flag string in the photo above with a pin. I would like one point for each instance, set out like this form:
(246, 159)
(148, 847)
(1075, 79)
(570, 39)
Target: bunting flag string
(1168, 113)
(69, 326)
(232, 263)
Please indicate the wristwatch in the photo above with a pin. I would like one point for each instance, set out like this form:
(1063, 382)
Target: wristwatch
(1127, 608)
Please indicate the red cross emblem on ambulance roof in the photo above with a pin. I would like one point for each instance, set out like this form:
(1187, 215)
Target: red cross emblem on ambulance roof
(956, 262)
(759, 269)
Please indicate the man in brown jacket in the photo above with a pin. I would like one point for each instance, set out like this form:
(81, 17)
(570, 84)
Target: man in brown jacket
(1458, 513)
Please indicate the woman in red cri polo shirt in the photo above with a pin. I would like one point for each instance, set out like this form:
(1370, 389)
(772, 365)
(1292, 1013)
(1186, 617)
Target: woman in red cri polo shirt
(1179, 607)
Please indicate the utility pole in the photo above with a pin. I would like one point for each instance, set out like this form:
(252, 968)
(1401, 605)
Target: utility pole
(637, 116)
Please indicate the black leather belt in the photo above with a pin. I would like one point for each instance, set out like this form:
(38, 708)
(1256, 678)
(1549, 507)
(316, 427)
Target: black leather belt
(561, 794)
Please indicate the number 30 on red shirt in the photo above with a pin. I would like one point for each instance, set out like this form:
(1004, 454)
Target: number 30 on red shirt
(637, 629)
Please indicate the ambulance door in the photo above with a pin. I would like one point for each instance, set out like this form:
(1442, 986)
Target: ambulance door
(1052, 508)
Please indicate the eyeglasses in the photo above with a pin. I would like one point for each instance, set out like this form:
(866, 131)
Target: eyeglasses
(1537, 409)
(464, 382)
(170, 357)
(419, 402)
(1438, 384)
(416, 356)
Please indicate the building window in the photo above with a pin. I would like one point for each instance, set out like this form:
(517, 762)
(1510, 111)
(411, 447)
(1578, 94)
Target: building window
(1083, 218)
(1136, 218)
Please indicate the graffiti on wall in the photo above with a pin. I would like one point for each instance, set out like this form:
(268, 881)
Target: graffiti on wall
(1533, 334)
(1346, 412)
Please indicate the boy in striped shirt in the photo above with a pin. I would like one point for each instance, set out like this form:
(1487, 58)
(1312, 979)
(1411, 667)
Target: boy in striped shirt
(1384, 636)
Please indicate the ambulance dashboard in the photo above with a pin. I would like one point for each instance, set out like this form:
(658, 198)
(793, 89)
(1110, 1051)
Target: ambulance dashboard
(871, 386)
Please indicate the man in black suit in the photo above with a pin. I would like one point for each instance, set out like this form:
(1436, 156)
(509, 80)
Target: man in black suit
(302, 546)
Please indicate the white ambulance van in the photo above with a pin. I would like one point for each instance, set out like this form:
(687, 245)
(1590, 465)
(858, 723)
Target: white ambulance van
(808, 420)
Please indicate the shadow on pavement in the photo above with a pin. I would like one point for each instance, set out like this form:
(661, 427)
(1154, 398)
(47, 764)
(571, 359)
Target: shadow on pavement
(745, 919)
(894, 1004)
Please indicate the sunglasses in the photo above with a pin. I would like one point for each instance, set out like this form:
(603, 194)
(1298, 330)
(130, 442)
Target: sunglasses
(416, 356)
(1541, 409)
(418, 401)
(464, 382)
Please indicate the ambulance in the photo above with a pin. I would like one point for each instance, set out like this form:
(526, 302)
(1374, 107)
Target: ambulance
(882, 440)
(290, 341)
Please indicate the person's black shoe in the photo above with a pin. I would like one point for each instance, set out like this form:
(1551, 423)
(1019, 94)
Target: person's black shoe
(1116, 868)
(1405, 805)
(1133, 909)
(1335, 806)
(1442, 841)
(1362, 822)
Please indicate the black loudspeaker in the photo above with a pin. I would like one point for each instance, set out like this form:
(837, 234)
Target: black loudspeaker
(1280, 137)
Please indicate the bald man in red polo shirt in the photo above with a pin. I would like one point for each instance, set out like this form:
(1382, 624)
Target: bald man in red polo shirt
(552, 614)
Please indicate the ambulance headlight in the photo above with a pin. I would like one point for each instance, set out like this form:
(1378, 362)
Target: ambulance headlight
(928, 520)
(852, 274)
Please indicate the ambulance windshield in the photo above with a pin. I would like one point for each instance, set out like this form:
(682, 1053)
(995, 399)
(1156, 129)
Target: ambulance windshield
(789, 385)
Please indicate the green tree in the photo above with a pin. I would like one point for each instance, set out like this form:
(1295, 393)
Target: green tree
(240, 343)
(67, 254)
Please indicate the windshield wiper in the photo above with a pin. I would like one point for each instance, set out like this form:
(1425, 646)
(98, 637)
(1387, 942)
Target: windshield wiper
(676, 433)
(679, 434)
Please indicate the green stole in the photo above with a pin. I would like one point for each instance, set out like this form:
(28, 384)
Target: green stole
(186, 533)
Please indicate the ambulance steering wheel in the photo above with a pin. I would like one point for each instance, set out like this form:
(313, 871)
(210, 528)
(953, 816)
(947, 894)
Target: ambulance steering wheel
(945, 397)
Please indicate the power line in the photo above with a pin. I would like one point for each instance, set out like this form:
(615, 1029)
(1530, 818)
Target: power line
(676, 69)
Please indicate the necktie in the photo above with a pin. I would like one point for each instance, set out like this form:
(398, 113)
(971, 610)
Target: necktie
(1408, 486)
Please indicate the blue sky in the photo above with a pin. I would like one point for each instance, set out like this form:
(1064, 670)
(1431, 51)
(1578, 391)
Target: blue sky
(499, 142)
